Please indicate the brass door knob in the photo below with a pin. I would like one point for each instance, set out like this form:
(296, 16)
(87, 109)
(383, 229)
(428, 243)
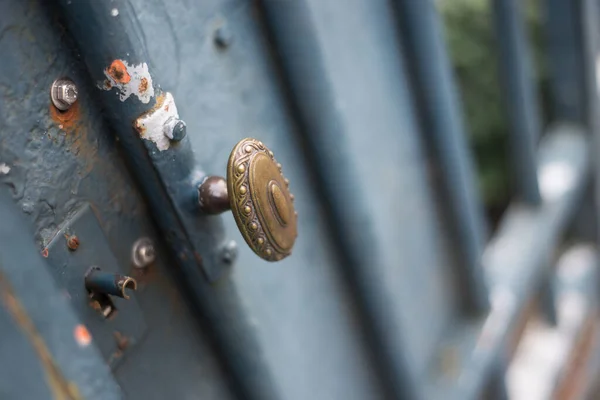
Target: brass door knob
(258, 195)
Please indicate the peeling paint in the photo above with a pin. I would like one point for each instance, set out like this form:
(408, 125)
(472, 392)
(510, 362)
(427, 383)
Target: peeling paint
(82, 335)
(151, 125)
(128, 79)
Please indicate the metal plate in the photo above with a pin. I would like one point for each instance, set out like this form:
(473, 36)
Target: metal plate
(116, 335)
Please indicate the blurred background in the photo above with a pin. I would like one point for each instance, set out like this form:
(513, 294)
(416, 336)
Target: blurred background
(442, 160)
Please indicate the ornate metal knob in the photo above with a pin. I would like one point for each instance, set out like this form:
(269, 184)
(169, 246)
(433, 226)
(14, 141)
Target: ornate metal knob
(258, 195)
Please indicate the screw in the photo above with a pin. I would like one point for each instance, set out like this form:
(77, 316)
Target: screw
(143, 253)
(223, 37)
(175, 129)
(63, 93)
(73, 242)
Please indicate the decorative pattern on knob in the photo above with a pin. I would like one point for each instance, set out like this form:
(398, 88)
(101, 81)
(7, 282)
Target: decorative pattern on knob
(261, 202)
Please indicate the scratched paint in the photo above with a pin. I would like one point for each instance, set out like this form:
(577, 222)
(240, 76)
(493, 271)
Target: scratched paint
(60, 387)
(151, 126)
(4, 169)
(128, 80)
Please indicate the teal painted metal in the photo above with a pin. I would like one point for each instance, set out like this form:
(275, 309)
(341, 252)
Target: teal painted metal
(392, 290)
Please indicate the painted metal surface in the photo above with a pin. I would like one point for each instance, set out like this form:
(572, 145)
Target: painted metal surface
(388, 293)
(60, 161)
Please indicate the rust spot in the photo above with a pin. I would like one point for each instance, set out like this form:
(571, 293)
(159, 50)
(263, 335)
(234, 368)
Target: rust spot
(82, 335)
(118, 71)
(121, 340)
(160, 99)
(66, 120)
(139, 127)
(75, 128)
(60, 387)
(73, 242)
(45, 253)
(143, 85)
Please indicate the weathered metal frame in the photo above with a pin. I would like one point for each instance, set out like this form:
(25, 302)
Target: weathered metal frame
(195, 239)
(498, 280)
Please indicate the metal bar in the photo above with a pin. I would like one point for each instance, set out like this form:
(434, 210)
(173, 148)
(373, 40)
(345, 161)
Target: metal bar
(521, 100)
(565, 60)
(97, 281)
(108, 36)
(587, 14)
(563, 374)
(517, 258)
(441, 118)
(310, 96)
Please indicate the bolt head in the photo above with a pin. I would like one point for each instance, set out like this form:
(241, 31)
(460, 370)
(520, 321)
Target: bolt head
(143, 253)
(175, 129)
(179, 131)
(63, 93)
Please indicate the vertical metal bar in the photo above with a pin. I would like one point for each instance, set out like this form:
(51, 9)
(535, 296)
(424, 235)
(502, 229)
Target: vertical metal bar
(297, 53)
(588, 16)
(565, 61)
(163, 175)
(442, 118)
(520, 96)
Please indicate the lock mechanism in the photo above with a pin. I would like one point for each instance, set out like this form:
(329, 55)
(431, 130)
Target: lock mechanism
(259, 197)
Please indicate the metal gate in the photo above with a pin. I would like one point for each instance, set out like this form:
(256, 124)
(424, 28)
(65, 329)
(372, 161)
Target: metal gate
(113, 115)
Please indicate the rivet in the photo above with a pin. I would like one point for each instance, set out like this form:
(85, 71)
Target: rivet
(287, 181)
(247, 210)
(241, 168)
(260, 240)
(243, 189)
(271, 154)
(253, 226)
(268, 252)
(73, 242)
(279, 166)
(248, 149)
(143, 253)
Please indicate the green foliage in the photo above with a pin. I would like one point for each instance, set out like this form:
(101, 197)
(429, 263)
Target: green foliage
(472, 45)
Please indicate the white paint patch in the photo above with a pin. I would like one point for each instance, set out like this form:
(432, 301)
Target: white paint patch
(139, 83)
(151, 126)
(114, 12)
(4, 169)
